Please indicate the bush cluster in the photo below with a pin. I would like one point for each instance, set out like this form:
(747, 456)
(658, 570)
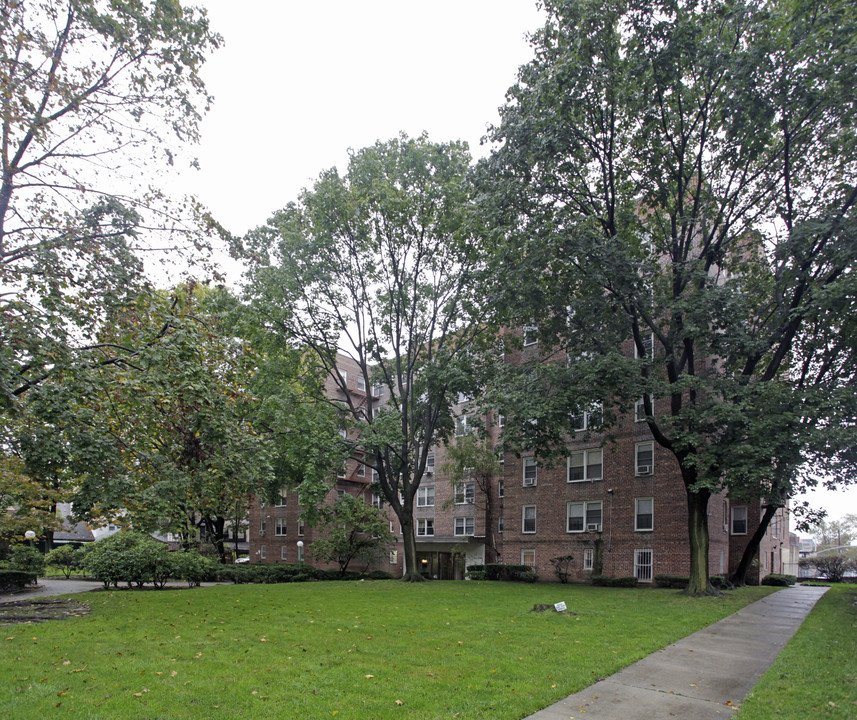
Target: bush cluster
(137, 559)
(501, 572)
(264, 573)
(779, 580)
(26, 559)
(68, 558)
(679, 582)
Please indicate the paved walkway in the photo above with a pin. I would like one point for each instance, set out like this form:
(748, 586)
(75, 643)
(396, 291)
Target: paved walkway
(48, 587)
(705, 676)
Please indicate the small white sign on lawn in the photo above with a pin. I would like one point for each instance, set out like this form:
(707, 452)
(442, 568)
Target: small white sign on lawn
(559, 607)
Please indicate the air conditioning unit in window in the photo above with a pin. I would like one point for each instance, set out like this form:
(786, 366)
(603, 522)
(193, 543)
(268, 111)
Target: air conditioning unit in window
(644, 469)
(594, 527)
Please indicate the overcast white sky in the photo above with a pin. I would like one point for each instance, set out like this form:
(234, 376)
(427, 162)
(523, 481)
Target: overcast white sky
(299, 83)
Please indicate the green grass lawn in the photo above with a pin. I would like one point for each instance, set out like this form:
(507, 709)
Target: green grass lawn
(815, 676)
(365, 650)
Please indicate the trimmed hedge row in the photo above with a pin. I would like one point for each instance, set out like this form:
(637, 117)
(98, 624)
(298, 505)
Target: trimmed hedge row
(500, 572)
(270, 574)
(679, 582)
(777, 580)
(12, 580)
(622, 582)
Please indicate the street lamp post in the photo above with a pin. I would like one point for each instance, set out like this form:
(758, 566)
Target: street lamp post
(30, 535)
(300, 552)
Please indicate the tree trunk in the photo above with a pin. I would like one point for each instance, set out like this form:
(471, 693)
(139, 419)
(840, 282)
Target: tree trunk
(739, 576)
(412, 570)
(697, 520)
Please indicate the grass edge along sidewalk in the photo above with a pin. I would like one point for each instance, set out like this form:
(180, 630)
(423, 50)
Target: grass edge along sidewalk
(375, 649)
(815, 676)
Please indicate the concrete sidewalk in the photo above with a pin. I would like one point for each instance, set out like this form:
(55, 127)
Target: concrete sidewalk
(705, 676)
(49, 587)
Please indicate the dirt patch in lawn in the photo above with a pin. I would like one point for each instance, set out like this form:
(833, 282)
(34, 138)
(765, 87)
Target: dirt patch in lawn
(40, 610)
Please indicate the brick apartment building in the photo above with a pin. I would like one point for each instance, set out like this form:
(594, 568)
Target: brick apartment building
(617, 507)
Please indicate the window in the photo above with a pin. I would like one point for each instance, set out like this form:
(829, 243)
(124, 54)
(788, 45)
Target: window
(263, 552)
(394, 557)
(343, 470)
(640, 409)
(464, 526)
(374, 475)
(425, 496)
(280, 526)
(644, 458)
(583, 516)
(588, 558)
(262, 527)
(377, 391)
(463, 398)
(643, 565)
(528, 557)
(430, 462)
(425, 526)
(739, 520)
(501, 420)
(361, 470)
(531, 471)
(281, 498)
(361, 383)
(283, 553)
(344, 375)
(378, 501)
(531, 335)
(500, 524)
(725, 516)
(501, 487)
(528, 519)
(589, 419)
(300, 527)
(465, 493)
(648, 340)
(644, 518)
(585, 465)
(461, 426)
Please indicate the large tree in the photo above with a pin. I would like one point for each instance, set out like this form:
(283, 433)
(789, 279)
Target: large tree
(92, 93)
(679, 176)
(384, 265)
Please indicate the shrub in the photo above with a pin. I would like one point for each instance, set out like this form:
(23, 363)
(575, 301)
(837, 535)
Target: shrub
(12, 580)
(378, 575)
(193, 567)
(606, 581)
(476, 575)
(26, 559)
(65, 557)
(830, 566)
(672, 581)
(561, 565)
(777, 580)
(117, 559)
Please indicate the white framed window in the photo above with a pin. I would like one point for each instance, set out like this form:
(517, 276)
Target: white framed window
(588, 558)
(281, 498)
(339, 492)
(361, 383)
(394, 557)
(263, 552)
(531, 335)
(500, 524)
(425, 496)
(263, 526)
(644, 458)
(465, 493)
(280, 526)
(644, 514)
(374, 475)
(343, 470)
(648, 340)
(425, 526)
(464, 526)
(284, 555)
(344, 375)
(725, 516)
(586, 465)
(583, 516)
(501, 420)
(361, 470)
(643, 565)
(462, 426)
(377, 500)
(343, 434)
(377, 390)
(640, 409)
(501, 487)
(300, 527)
(588, 419)
(430, 463)
(462, 398)
(528, 558)
(528, 519)
(531, 471)
(739, 520)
